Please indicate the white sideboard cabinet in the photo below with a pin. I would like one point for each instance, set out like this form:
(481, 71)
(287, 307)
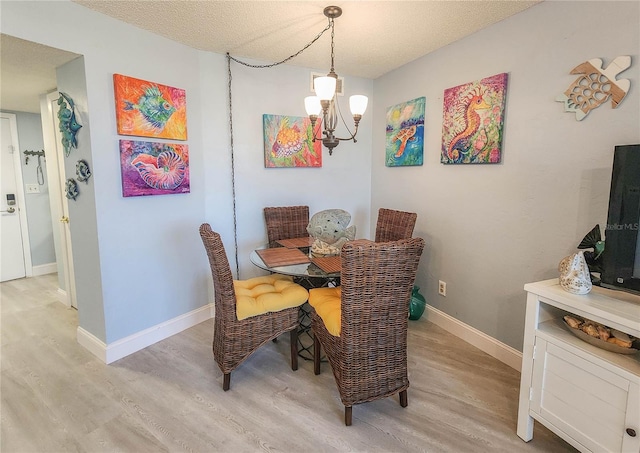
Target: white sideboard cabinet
(588, 396)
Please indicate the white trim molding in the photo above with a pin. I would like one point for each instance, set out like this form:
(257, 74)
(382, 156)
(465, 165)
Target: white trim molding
(140, 340)
(504, 353)
(43, 269)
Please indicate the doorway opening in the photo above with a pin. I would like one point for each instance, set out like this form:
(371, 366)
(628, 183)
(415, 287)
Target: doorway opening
(29, 88)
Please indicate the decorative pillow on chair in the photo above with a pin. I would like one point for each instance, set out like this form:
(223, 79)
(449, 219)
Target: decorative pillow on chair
(267, 294)
(326, 302)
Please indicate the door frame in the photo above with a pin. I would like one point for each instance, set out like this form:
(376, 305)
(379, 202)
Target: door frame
(57, 200)
(20, 195)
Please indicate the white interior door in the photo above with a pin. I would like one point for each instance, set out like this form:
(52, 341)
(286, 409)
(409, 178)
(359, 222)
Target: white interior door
(57, 199)
(15, 261)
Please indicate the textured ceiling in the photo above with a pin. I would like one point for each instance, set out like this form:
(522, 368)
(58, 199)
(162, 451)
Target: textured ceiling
(371, 37)
(27, 70)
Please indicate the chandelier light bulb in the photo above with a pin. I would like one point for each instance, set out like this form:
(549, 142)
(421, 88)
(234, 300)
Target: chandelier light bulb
(312, 105)
(325, 87)
(358, 104)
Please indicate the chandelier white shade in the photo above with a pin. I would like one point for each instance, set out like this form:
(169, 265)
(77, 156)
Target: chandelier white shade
(358, 104)
(312, 105)
(325, 87)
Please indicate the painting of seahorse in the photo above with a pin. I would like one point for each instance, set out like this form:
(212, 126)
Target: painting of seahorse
(405, 133)
(288, 142)
(473, 119)
(152, 168)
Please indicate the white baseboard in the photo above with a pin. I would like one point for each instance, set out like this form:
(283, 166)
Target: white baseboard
(44, 269)
(504, 353)
(140, 340)
(62, 297)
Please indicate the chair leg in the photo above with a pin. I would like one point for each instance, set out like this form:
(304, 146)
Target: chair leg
(347, 415)
(226, 381)
(316, 355)
(293, 339)
(403, 398)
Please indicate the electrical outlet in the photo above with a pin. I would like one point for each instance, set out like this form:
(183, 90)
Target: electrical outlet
(442, 288)
(32, 188)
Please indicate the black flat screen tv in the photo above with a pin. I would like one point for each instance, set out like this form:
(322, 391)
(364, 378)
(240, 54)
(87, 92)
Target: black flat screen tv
(621, 256)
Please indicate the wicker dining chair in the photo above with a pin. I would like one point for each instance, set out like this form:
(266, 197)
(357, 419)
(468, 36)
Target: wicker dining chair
(244, 318)
(394, 225)
(286, 222)
(290, 222)
(362, 325)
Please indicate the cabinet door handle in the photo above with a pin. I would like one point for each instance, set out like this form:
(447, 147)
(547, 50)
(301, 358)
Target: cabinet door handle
(631, 432)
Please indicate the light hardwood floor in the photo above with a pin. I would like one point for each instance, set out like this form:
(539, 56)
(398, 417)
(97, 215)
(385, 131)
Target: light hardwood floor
(56, 396)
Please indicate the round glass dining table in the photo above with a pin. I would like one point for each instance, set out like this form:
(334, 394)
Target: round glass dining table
(310, 276)
(305, 271)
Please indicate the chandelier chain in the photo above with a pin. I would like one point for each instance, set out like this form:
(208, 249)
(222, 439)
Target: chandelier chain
(290, 57)
(233, 173)
(332, 45)
(233, 170)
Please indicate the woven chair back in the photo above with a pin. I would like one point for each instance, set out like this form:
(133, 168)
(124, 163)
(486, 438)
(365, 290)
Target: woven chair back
(225, 297)
(286, 222)
(377, 281)
(394, 225)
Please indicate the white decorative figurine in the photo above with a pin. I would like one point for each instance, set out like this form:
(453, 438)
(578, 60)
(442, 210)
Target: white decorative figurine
(330, 230)
(574, 274)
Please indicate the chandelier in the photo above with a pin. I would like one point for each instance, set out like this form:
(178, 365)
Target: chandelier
(325, 101)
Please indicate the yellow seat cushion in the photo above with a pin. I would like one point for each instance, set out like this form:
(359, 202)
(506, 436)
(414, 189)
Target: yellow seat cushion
(259, 295)
(326, 302)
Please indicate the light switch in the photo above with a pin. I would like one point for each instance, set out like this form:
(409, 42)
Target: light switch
(32, 188)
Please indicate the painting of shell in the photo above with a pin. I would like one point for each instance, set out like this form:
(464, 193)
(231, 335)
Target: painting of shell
(472, 124)
(288, 142)
(405, 134)
(147, 109)
(152, 168)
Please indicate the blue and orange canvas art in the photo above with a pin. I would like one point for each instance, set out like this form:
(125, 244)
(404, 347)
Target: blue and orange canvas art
(153, 168)
(405, 134)
(288, 142)
(148, 109)
(472, 124)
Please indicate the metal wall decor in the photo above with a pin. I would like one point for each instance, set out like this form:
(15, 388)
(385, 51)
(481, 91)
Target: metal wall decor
(39, 172)
(69, 126)
(82, 171)
(595, 86)
(71, 189)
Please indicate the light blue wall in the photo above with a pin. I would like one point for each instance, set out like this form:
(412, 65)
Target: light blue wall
(38, 210)
(85, 245)
(492, 228)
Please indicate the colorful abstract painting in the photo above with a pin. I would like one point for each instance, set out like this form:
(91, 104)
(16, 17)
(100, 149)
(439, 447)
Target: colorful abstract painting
(472, 124)
(147, 109)
(288, 142)
(152, 168)
(405, 134)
